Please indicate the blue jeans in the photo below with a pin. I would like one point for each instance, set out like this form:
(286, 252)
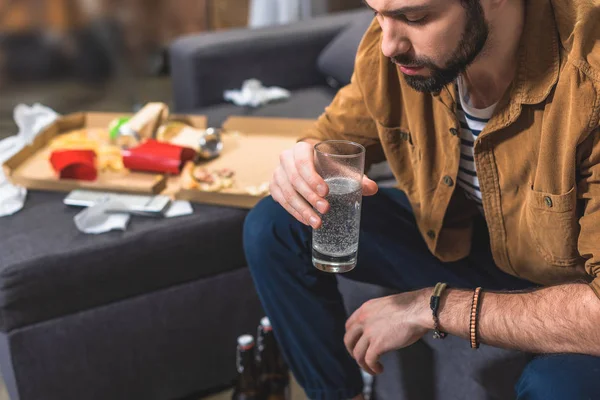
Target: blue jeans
(308, 316)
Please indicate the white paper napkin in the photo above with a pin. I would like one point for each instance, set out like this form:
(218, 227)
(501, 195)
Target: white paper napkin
(30, 121)
(96, 220)
(12, 198)
(179, 208)
(254, 94)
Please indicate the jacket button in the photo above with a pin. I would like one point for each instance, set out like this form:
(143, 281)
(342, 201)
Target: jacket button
(431, 234)
(548, 201)
(453, 131)
(448, 181)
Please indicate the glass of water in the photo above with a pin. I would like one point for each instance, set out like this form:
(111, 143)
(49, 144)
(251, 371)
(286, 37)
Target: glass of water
(335, 245)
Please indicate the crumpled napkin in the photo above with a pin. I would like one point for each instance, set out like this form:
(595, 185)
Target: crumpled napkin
(12, 198)
(98, 218)
(31, 121)
(179, 208)
(254, 94)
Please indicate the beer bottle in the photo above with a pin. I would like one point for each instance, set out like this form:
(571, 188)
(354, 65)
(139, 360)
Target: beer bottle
(273, 373)
(247, 386)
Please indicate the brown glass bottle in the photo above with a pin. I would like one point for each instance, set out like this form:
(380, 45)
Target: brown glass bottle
(273, 373)
(247, 385)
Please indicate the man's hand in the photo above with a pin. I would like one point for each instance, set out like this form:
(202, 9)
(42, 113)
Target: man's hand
(557, 319)
(386, 324)
(299, 189)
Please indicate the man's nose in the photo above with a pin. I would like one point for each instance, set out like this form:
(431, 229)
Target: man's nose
(395, 42)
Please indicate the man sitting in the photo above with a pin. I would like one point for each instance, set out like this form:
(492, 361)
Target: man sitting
(488, 114)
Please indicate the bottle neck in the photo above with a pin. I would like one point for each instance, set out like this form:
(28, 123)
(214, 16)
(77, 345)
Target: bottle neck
(270, 360)
(247, 376)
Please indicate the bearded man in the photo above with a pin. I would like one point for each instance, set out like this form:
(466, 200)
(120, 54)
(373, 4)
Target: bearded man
(488, 113)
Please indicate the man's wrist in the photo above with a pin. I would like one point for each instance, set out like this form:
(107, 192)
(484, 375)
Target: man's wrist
(455, 310)
(425, 315)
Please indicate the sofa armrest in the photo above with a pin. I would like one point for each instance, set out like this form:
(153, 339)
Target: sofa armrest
(204, 65)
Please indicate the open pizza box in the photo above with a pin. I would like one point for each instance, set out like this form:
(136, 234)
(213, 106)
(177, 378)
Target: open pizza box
(31, 167)
(251, 149)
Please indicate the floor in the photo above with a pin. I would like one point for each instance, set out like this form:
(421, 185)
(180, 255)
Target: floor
(71, 96)
(297, 394)
(296, 391)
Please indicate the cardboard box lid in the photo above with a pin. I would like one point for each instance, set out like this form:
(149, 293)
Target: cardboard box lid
(250, 141)
(287, 126)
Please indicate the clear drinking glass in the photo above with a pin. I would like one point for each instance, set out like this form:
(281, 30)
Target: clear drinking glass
(335, 245)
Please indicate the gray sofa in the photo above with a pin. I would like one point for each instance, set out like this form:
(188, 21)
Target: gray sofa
(313, 59)
(151, 313)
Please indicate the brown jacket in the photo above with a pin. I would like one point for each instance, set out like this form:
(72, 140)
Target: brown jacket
(538, 159)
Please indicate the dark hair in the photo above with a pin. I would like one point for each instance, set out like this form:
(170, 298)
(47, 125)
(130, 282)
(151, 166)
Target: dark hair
(469, 3)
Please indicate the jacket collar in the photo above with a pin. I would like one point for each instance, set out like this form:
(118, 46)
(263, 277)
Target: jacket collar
(539, 56)
(537, 72)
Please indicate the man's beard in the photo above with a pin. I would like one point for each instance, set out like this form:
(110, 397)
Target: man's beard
(471, 44)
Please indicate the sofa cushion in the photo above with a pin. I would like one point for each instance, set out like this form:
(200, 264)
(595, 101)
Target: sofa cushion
(336, 61)
(434, 369)
(306, 103)
(50, 269)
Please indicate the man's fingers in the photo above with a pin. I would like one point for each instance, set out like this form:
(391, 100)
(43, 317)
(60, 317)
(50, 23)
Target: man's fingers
(295, 200)
(369, 187)
(278, 197)
(302, 187)
(304, 158)
(372, 360)
(360, 350)
(351, 338)
(352, 319)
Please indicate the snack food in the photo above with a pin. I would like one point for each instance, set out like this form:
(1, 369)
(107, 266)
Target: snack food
(201, 178)
(260, 190)
(98, 140)
(168, 131)
(146, 121)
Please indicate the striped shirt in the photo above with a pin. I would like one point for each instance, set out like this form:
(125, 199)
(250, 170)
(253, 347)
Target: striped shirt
(472, 122)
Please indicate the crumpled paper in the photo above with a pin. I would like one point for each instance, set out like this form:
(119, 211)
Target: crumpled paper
(179, 208)
(271, 12)
(12, 198)
(30, 121)
(254, 94)
(96, 219)
(99, 218)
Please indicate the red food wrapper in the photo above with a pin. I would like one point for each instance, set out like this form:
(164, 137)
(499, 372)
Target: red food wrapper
(155, 156)
(75, 164)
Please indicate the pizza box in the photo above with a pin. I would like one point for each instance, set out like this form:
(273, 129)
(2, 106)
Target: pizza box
(31, 168)
(251, 149)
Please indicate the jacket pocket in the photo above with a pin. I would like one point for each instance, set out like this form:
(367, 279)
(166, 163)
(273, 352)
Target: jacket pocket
(400, 142)
(554, 226)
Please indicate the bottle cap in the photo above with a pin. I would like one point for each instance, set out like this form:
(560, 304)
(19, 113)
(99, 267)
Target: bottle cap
(245, 342)
(265, 323)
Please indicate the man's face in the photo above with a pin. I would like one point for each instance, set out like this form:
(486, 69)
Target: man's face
(432, 41)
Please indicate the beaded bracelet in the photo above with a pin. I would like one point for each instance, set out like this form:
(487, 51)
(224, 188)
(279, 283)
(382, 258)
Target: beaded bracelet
(475, 318)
